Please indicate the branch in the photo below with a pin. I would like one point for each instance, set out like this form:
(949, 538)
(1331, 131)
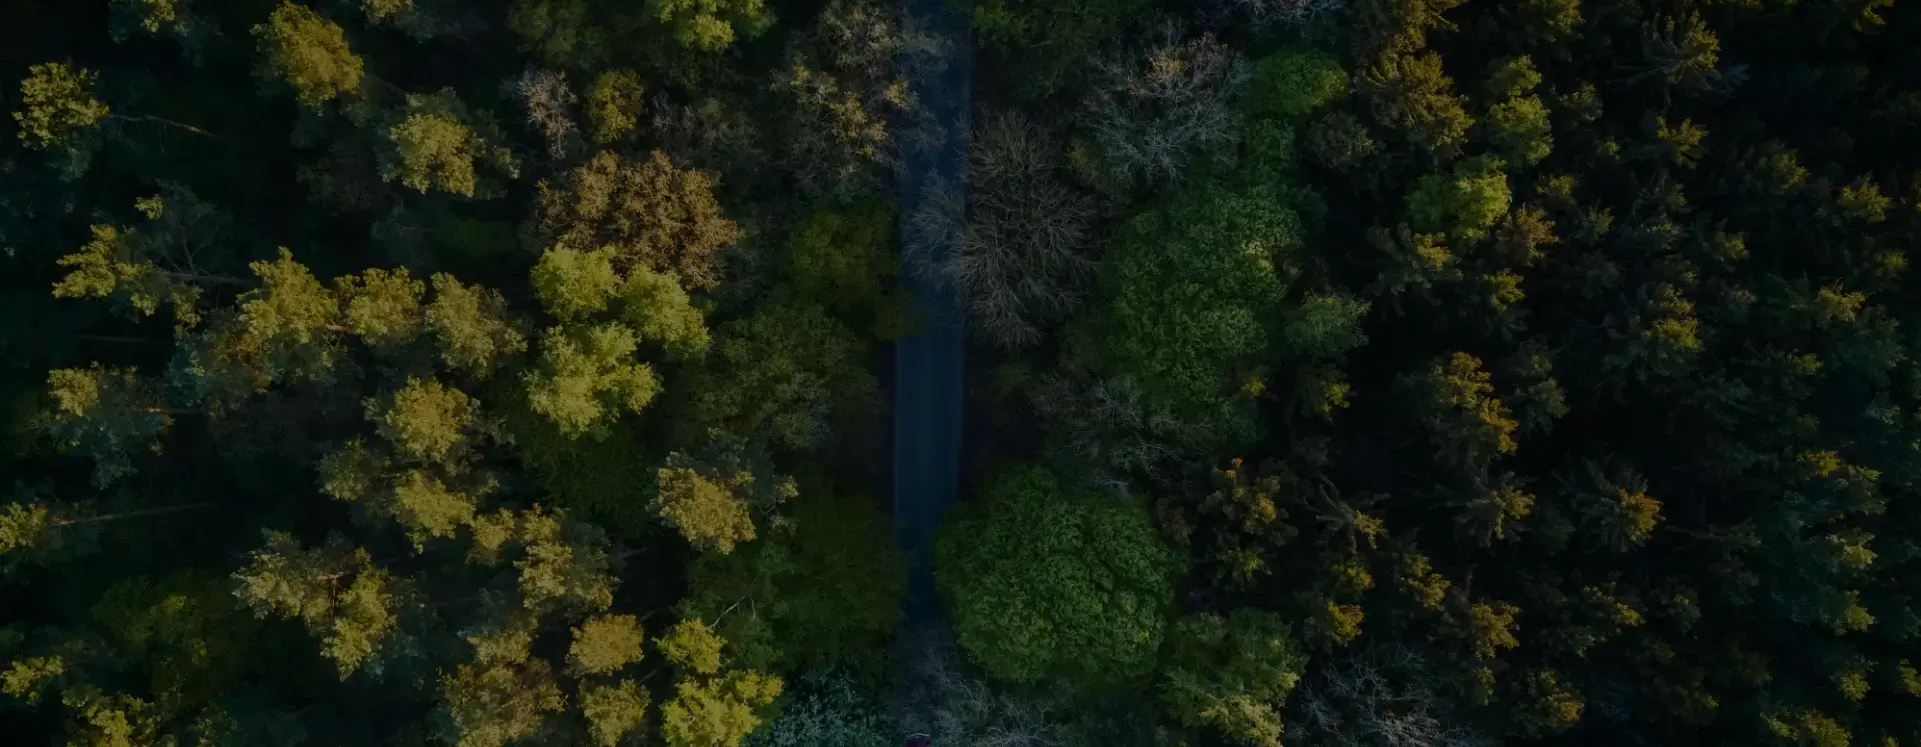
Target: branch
(168, 122)
(133, 514)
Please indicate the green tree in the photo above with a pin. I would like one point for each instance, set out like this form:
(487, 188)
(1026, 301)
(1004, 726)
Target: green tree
(334, 589)
(1412, 97)
(588, 376)
(58, 106)
(789, 374)
(1053, 36)
(612, 711)
(1232, 674)
(436, 142)
(1044, 582)
(711, 25)
(1183, 304)
(107, 414)
(306, 52)
(1463, 204)
(472, 326)
(713, 705)
(820, 589)
(846, 260)
(491, 704)
(1293, 84)
(614, 105)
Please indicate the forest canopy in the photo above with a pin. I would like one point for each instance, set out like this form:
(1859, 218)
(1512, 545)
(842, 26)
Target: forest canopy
(1382, 373)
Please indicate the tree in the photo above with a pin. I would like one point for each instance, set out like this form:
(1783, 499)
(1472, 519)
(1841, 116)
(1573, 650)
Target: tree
(713, 706)
(827, 708)
(334, 589)
(1015, 245)
(382, 307)
(649, 213)
(587, 377)
(1045, 582)
(604, 644)
(1463, 205)
(1054, 37)
(435, 143)
(613, 711)
(1293, 84)
(614, 105)
(1412, 97)
(37, 531)
(170, 259)
(1379, 696)
(1159, 108)
(789, 374)
(1456, 402)
(1232, 674)
(1517, 123)
(308, 53)
(1181, 302)
(848, 110)
(174, 18)
(711, 25)
(58, 106)
(550, 103)
(108, 414)
(820, 589)
(471, 326)
(704, 509)
(574, 284)
(491, 704)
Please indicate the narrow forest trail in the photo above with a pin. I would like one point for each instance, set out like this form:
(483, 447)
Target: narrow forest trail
(928, 364)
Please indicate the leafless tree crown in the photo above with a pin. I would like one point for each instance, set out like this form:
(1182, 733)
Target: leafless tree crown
(940, 697)
(1160, 105)
(549, 102)
(1377, 697)
(1013, 239)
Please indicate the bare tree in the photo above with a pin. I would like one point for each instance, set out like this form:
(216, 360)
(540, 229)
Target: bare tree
(1382, 696)
(939, 696)
(1104, 423)
(1013, 240)
(1262, 15)
(1165, 103)
(550, 108)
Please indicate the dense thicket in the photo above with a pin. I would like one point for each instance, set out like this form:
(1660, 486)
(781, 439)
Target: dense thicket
(1388, 372)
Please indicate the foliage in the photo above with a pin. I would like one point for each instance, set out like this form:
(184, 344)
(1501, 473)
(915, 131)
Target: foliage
(788, 374)
(1052, 36)
(1537, 372)
(711, 25)
(649, 213)
(821, 590)
(1233, 675)
(436, 143)
(56, 104)
(308, 53)
(1182, 298)
(1043, 581)
(1294, 83)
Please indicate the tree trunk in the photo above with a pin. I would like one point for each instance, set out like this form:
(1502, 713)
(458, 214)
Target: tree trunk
(133, 514)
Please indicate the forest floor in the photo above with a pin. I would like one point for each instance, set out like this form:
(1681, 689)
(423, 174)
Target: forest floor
(928, 363)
